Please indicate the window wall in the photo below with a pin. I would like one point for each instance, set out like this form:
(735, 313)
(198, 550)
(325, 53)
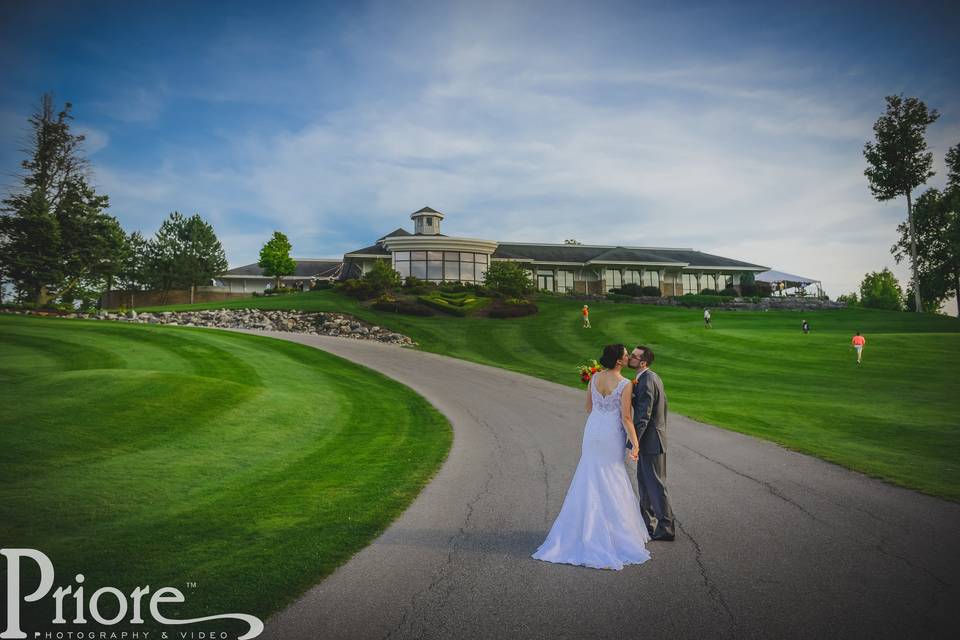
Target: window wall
(441, 266)
(690, 284)
(614, 278)
(565, 281)
(651, 278)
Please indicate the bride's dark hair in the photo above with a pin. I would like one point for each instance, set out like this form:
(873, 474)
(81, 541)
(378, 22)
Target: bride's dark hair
(611, 353)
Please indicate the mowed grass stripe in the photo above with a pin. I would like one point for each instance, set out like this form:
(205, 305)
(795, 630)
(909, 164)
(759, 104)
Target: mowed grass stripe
(251, 466)
(755, 372)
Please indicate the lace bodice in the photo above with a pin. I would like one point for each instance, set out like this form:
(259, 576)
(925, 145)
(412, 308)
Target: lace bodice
(610, 403)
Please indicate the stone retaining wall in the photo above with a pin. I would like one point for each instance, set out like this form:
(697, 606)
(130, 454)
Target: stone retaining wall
(329, 324)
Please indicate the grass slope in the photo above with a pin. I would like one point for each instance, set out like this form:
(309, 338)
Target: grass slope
(252, 467)
(756, 373)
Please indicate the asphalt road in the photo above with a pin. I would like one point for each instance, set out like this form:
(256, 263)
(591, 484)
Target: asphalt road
(771, 543)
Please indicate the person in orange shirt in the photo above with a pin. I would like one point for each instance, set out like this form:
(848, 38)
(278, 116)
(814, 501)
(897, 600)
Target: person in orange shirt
(858, 342)
(586, 317)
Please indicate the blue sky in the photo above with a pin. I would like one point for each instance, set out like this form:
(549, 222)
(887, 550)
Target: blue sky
(730, 127)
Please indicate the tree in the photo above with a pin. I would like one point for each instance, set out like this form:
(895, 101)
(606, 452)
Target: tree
(54, 230)
(508, 278)
(275, 258)
(899, 160)
(382, 277)
(937, 225)
(203, 256)
(185, 252)
(880, 290)
(849, 298)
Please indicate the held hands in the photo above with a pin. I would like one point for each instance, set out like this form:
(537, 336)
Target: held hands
(634, 454)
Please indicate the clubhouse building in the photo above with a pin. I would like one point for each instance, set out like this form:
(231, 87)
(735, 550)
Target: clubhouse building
(564, 268)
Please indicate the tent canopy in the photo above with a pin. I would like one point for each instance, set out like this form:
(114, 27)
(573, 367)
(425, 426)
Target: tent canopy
(787, 278)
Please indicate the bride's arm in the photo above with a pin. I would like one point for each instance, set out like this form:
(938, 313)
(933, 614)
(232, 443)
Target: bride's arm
(589, 398)
(626, 416)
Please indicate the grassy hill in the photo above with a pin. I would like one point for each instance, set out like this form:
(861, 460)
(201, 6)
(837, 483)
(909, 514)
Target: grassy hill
(755, 372)
(165, 455)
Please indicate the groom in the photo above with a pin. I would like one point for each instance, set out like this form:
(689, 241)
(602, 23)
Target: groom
(650, 419)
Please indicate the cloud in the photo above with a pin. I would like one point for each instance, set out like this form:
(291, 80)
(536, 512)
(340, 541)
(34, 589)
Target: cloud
(517, 132)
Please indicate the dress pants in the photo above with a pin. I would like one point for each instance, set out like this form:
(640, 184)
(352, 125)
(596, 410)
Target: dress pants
(654, 503)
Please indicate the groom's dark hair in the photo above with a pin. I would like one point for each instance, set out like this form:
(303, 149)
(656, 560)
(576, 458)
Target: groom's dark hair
(646, 354)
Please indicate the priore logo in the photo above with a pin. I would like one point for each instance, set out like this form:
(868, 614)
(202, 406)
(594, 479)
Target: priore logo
(134, 606)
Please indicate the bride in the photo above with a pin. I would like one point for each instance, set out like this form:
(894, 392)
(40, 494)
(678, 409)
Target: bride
(600, 525)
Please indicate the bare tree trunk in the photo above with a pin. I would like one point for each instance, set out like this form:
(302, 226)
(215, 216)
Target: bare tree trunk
(913, 255)
(191, 293)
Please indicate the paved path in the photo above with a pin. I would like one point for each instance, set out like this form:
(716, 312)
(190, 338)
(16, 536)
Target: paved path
(771, 543)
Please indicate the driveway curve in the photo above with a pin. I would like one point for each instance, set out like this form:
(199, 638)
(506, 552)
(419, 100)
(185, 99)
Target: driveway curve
(771, 543)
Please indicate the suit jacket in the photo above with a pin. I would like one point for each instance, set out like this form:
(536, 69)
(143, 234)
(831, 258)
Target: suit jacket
(650, 413)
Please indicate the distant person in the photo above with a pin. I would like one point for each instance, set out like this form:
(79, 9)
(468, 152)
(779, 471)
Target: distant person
(586, 316)
(805, 326)
(706, 319)
(858, 342)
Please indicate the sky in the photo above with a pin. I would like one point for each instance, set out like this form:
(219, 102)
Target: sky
(734, 128)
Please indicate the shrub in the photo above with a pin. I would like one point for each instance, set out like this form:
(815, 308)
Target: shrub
(393, 305)
(417, 286)
(753, 289)
(650, 291)
(458, 304)
(382, 277)
(322, 284)
(631, 289)
(512, 309)
(508, 278)
(354, 288)
(709, 292)
(730, 291)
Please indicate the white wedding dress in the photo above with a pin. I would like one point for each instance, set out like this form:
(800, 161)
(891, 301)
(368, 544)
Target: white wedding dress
(599, 525)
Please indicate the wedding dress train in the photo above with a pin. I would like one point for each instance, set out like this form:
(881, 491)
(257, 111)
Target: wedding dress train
(599, 524)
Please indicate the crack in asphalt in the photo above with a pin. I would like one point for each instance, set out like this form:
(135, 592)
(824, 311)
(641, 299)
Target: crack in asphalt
(713, 589)
(942, 585)
(772, 489)
(452, 543)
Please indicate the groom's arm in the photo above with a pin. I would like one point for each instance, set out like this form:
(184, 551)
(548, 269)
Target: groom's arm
(643, 405)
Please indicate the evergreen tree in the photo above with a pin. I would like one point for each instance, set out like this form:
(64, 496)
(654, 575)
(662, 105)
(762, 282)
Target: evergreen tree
(54, 232)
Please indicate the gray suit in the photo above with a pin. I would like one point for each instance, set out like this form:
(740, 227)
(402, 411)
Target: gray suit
(650, 420)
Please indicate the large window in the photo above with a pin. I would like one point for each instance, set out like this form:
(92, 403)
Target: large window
(632, 276)
(614, 279)
(651, 278)
(440, 266)
(690, 284)
(565, 281)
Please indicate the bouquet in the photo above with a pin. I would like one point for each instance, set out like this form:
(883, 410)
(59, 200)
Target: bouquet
(587, 370)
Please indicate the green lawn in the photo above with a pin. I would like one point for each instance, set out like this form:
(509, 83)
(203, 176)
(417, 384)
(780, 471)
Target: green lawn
(163, 455)
(894, 418)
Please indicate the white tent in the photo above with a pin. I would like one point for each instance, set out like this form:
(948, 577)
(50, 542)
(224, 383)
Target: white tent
(789, 280)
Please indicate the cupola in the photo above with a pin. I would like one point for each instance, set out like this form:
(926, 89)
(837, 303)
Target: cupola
(426, 222)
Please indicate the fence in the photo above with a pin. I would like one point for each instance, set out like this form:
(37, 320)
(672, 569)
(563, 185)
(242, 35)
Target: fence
(136, 299)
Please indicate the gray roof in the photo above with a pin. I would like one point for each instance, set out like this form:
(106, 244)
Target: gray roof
(304, 268)
(426, 210)
(400, 231)
(586, 253)
(376, 249)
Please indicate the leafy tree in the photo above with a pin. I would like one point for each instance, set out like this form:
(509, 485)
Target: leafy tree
(849, 298)
(54, 230)
(899, 161)
(382, 277)
(937, 225)
(508, 278)
(880, 290)
(275, 258)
